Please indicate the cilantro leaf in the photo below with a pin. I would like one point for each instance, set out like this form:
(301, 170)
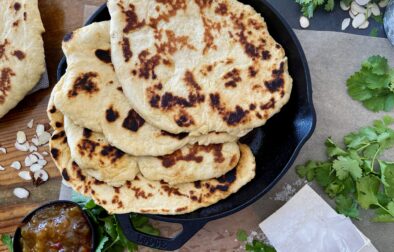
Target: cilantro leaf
(7, 240)
(345, 166)
(378, 19)
(307, 171)
(347, 206)
(374, 32)
(387, 174)
(372, 85)
(383, 218)
(333, 150)
(259, 246)
(367, 189)
(308, 7)
(241, 235)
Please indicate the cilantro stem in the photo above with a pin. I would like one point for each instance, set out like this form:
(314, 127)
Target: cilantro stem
(114, 242)
(364, 146)
(374, 159)
(385, 209)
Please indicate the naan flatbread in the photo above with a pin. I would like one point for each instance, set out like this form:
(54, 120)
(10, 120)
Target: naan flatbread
(141, 195)
(92, 98)
(97, 158)
(22, 59)
(198, 65)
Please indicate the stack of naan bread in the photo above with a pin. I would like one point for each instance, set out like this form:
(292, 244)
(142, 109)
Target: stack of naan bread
(22, 59)
(148, 115)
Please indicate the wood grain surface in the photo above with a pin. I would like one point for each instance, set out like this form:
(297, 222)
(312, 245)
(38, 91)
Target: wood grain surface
(59, 17)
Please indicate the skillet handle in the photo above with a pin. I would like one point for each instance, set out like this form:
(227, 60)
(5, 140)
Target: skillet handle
(189, 228)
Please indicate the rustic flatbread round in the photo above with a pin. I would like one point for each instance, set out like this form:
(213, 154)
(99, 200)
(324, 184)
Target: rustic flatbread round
(144, 196)
(91, 83)
(97, 158)
(198, 66)
(22, 59)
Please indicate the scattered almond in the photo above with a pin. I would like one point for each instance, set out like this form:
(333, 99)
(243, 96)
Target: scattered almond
(25, 175)
(44, 138)
(22, 147)
(364, 25)
(38, 155)
(32, 148)
(345, 24)
(2, 168)
(30, 124)
(44, 153)
(362, 2)
(16, 165)
(304, 22)
(359, 20)
(35, 167)
(42, 162)
(3, 150)
(34, 140)
(383, 3)
(21, 193)
(20, 137)
(40, 129)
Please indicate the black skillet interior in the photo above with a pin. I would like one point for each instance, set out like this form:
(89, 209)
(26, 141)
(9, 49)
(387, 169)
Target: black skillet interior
(275, 145)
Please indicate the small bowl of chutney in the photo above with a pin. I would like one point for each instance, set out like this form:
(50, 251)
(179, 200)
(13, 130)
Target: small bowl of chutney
(57, 226)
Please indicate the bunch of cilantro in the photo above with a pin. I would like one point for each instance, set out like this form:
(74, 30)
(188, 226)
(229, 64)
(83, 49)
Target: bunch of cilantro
(355, 176)
(110, 235)
(373, 85)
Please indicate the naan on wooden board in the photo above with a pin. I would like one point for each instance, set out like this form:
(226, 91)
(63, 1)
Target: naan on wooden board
(142, 195)
(92, 97)
(198, 65)
(22, 59)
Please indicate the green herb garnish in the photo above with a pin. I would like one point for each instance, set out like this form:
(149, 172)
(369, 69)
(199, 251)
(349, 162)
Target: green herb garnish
(255, 245)
(308, 7)
(354, 175)
(373, 85)
(110, 235)
(7, 240)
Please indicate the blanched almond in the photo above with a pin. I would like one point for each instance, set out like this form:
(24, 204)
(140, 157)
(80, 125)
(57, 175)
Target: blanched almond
(35, 167)
(44, 138)
(20, 137)
(32, 148)
(40, 129)
(22, 147)
(40, 177)
(2, 168)
(304, 22)
(16, 165)
(345, 24)
(362, 2)
(42, 162)
(30, 124)
(25, 175)
(21, 193)
(359, 20)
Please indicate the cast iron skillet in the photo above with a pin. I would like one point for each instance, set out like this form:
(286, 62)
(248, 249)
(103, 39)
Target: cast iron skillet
(275, 145)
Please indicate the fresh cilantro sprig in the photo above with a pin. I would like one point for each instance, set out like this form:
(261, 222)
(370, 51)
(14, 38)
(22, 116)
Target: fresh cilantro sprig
(110, 235)
(373, 85)
(255, 245)
(308, 7)
(7, 240)
(355, 176)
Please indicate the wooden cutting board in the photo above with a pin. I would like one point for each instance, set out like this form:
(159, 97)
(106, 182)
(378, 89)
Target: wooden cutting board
(59, 17)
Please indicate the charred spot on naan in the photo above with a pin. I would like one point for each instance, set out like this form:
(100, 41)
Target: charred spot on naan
(148, 65)
(132, 22)
(111, 114)
(140, 193)
(277, 82)
(53, 109)
(191, 82)
(112, 153)
(127, 53)
(87, 133)
(5, 83)
(15, 24)
(170, 9)
(87, 147)
(193, 155)
(3, 49)
(104, 55)
(84, 83)
(133, 121)
(55, 153)
(173, 43)
(231, 117)
(232, 78)
(58, 124)
(268, 105)
(19, 54)
(17, 6)
(24, 16)
(221, 9)
(184, 119)
(252, 72)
